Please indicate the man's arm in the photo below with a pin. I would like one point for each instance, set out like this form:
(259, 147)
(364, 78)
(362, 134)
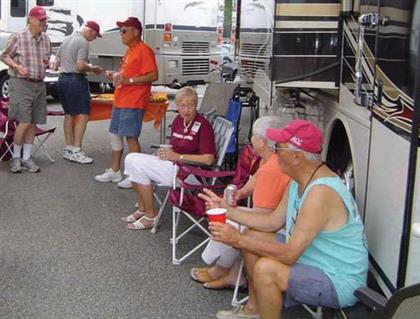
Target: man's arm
(83, 67)
(254, 218)
(141, 79)
(7, 56)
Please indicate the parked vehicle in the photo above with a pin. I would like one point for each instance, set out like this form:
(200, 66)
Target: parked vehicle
(349, 67)
(185, 35)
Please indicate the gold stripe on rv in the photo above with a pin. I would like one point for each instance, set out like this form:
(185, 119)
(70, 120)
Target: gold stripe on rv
(308, 9)
(306, 24)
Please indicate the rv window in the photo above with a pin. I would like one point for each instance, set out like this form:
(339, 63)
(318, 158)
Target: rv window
(18, 8)
(45, 3)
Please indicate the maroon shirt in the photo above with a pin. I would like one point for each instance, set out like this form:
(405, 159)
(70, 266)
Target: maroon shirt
(198, 138)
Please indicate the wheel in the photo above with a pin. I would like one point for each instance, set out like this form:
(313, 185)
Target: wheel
(4, 86)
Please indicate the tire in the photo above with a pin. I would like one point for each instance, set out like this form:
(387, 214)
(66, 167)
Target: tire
(4, 86)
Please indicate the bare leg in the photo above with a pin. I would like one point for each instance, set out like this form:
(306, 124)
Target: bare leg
(145, 194)
(81, 121)
(21, 132)
(30, 135)
(133, 145)
(270, 279)
(251, 260)
(116, 160)
(68, 130)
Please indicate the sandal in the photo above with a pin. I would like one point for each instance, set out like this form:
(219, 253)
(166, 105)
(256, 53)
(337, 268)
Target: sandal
(201, 275)
(133, 217)
(139, 225)
(224, 283)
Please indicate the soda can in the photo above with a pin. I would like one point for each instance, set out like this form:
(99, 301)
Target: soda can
(230, 194)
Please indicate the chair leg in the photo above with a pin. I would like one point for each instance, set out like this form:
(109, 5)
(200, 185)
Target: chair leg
(176, 213)
(315, 314)
(8, 150)
(159, 215)
(40, 147)
(235, 301)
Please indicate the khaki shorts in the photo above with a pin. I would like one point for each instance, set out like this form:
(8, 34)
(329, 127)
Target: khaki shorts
(28, 102)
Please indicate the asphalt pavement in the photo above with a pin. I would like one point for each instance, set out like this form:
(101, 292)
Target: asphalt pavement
(65, 253)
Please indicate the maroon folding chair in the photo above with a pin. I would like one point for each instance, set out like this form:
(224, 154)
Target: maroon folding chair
(7, 129)
(186, 202)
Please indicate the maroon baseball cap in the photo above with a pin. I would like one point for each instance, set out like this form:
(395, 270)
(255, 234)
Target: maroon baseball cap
(302, 134)
(94, 26)
(130, 22)
(38, 13)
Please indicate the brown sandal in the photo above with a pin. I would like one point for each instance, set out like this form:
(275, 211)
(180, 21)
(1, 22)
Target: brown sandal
(201, 275)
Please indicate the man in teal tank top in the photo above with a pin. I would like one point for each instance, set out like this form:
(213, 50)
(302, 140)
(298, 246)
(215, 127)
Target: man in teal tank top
(320, 256)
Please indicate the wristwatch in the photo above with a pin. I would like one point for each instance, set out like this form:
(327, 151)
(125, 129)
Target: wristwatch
(131, 80)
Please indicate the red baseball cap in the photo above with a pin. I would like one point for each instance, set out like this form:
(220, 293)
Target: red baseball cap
(38, 13)
(130, 22)
(302, 134)
(94, 26)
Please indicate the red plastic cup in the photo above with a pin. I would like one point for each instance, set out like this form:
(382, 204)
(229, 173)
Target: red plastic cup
(217, 215)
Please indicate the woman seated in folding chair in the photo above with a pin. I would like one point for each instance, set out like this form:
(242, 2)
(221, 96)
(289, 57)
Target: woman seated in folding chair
(266, 188)
(192, 139)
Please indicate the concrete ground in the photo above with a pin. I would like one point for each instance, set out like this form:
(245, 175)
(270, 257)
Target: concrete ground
(65, 253)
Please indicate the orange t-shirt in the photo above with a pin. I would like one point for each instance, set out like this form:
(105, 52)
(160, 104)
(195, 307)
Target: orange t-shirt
(138, 60)
(270, 184)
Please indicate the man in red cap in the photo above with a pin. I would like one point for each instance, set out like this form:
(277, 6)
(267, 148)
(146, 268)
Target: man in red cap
(320, 258)
(27, 54)
(133, 84)
(73, 88)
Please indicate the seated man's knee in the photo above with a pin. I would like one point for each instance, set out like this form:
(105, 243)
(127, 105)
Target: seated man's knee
(116, 142)
(268, 271)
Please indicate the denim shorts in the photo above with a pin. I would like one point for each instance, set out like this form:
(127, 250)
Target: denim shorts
(126, 122)
(74, 93)
(309, 285)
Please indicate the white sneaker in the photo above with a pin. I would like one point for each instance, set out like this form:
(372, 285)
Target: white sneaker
(125, 183)
(80, 157)
(67, 153)
(109, 176)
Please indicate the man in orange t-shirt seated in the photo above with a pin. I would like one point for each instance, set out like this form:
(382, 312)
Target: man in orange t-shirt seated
(132, 84)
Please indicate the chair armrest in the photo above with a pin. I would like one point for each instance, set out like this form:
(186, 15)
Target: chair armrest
(371, 298)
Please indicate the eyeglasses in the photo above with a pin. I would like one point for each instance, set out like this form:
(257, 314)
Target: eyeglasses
(123, 31)
(186, 106)
(277, 148)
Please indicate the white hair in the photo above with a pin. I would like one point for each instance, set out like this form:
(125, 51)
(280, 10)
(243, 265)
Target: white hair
(314, 157)
(263, 123)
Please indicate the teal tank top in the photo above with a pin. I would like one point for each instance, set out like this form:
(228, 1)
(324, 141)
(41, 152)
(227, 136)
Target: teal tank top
(342, 254)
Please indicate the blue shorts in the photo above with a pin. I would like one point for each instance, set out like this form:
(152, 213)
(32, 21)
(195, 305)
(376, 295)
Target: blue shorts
(74, 93)
(309, 285)
(126, 122)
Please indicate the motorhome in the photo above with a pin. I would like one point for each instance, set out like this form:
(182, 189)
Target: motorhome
(349, 66)
(256, 21)
(185, 35)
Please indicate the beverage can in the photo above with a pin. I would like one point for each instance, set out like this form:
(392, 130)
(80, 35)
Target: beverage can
(230, 194)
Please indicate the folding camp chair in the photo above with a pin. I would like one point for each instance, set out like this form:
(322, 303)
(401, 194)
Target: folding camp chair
(6, 136)
(185, 201)
(223, 131)
(41, 134)
(402, 304)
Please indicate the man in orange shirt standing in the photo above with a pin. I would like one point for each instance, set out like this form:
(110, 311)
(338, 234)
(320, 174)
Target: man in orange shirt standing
(132, 84)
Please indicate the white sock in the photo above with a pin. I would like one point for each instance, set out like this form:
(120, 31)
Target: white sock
(27, 151)
(76, 149)
(68, 148)
(17, 150)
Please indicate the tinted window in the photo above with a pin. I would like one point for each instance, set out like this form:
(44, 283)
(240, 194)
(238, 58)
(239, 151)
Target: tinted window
(45, 3)
(18, 8)
(414, 43)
